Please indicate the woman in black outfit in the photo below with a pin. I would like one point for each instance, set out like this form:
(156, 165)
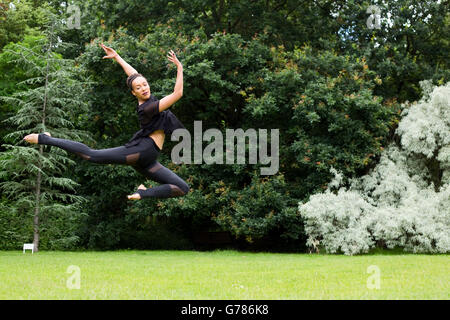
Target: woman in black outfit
(143, 149)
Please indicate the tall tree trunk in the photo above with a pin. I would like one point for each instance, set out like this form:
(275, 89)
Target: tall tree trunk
(37, 208)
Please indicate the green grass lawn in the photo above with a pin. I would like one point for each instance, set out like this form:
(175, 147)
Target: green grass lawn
(221, 275)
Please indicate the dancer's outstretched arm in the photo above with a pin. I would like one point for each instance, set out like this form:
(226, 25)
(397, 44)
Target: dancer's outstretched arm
(112, 54)
(169, 100)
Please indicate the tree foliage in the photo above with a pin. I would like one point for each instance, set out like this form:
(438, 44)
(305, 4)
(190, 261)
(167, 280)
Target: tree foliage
(312, 69)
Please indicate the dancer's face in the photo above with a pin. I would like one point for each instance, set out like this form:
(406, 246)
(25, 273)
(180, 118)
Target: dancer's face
(141, 89)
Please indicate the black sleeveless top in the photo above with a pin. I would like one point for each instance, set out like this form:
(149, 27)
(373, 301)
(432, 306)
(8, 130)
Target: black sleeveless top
(150, 119)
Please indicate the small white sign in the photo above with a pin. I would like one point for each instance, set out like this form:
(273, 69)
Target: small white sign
(28, 246)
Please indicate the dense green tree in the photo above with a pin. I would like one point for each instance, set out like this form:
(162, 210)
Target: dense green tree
(33, 178)
(20, 18)
(19, 21)
(310, 96)
(314, 70)
(409, 46)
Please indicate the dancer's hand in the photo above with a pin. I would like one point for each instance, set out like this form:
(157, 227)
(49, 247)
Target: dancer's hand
(173, 58)
(110, 52)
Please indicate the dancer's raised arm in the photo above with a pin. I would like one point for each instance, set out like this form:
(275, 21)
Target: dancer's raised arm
(169, 100)
(112, 54)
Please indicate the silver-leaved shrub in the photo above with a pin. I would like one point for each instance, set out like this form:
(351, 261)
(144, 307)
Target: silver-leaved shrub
(400, 203)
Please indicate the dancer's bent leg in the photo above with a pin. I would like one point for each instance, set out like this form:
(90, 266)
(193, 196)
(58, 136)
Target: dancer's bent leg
(171, 184)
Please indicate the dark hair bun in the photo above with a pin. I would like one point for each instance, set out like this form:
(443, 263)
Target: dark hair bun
(131, 78)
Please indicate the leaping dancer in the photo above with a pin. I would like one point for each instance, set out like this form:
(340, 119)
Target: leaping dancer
(143, 149)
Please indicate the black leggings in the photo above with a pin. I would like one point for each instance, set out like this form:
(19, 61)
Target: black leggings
(141, 157)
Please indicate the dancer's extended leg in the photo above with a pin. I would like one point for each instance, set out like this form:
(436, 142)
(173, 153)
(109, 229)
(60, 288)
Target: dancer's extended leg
(171, 184)
(117, 155)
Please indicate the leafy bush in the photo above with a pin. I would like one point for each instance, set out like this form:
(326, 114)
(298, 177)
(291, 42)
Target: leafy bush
(404, 202)
(258, 209)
